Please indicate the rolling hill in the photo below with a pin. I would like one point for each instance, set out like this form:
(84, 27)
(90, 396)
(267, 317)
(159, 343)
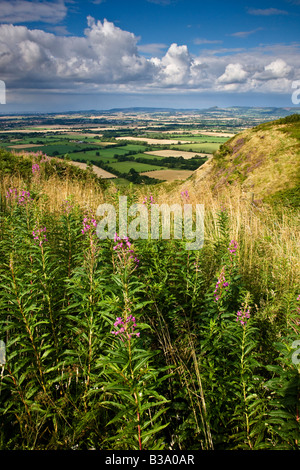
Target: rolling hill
(264, 161)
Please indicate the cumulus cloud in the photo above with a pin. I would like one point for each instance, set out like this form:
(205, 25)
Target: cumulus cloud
(108, 58)
(21, 11)
(234, 73)
(276, 69)
(175, 66)
(106, 54)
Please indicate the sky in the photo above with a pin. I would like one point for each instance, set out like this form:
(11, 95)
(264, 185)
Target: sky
(71, 55)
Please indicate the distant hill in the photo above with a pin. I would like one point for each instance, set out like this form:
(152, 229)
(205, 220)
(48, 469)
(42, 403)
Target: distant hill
(264, 161)
(274, 112)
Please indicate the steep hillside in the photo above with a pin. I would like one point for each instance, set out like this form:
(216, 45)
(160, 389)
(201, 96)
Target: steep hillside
(264, 161)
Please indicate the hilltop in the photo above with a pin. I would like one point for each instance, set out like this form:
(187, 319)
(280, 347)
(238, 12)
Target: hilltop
(263, 161)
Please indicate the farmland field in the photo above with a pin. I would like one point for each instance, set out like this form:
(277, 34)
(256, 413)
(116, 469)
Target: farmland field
(125, 167)
(148, 156)
(174, 153)
(189, 138)
(169, 175)
(23, 146)
(106, 154)
(98, 171)
(110, 150)
(202, 138)
(149, 140)
(209, 147)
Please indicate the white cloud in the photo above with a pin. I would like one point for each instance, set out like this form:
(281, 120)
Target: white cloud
(278, 68)
(200, 41)
(21, 11)
(234, 73)
(152, 48)
(274, 70)
(245, 34)
(106, 54)
(175, 66)
(266, 11)
(109, 59)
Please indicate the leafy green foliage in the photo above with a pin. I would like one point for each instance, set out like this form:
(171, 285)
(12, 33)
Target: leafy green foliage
(118, 345)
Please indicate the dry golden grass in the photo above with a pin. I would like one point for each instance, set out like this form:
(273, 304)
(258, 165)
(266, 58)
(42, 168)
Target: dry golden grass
(269, 239)
(56, 190)
(260, 161)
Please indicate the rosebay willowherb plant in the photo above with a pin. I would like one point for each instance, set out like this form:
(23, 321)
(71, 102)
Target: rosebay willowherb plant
(132, 382)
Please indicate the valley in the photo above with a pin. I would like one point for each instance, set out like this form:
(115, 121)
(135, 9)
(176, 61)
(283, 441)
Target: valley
(137, 145)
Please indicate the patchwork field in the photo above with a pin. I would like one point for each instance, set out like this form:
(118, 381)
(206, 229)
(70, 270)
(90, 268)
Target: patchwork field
(125, 167)
(201, 132)
(110, 152)
(149, 140)
(23, 146)
(169, 175)
(202, 138)
(176, 153)
(98, 171)
(209, 147)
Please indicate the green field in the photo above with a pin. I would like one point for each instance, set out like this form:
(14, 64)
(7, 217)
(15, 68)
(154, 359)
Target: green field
(78, 148)
(200, 138)
(209, 147)
(107, 155)
(92, 155)
(146, 156)
(125, 167)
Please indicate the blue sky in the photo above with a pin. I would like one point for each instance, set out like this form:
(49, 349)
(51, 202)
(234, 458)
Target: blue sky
(98, 54)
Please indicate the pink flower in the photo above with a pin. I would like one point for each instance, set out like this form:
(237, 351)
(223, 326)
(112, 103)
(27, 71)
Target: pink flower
(124, 250)
(185, 194)
(221, 283)
(242, 316)
(151, 200)
(22, 198)
(68, 206)
(38, 235)
(35, 168)
(233, 247)
(88, 222)
(127, 328)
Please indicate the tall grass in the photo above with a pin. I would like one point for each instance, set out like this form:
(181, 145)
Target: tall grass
(115, 344)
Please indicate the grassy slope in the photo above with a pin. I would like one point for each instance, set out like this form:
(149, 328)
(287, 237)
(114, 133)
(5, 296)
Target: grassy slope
(264, 160)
